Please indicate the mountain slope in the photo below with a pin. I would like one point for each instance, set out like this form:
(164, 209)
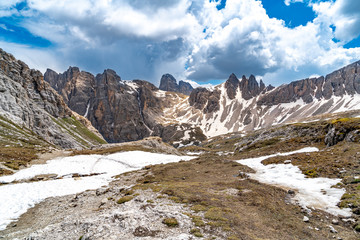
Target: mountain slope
(243, 105)
(31, 110)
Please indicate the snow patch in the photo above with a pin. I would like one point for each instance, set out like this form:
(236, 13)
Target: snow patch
(17, 198)
(87, 109)
(311, 192)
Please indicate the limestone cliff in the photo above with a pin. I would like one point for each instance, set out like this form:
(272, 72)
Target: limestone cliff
(30, 103)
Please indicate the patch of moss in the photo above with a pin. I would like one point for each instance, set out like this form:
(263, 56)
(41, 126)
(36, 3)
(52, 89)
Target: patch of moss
(199, 208)
(215, 214)
(233, 238)
(347, 196)
(170, 222)
(312, 173)
(196, 232)
(357, 228)
(124, 199)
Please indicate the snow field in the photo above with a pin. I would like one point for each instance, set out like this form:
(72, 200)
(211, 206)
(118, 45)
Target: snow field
(17, 198)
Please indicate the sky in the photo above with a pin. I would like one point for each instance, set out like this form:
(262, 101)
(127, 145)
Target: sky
(202, 41)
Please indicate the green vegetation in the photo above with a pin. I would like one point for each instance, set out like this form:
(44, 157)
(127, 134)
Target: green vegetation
(82, 130)
(311, 173)
(78, 131)
(124, 199)
(18, 145)
(198, 208)
(196, 232)
(357, 228)
(215, 214)
(170, 222)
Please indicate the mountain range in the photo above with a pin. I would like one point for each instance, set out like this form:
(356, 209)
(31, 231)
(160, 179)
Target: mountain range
(105, 107)
(131, 110)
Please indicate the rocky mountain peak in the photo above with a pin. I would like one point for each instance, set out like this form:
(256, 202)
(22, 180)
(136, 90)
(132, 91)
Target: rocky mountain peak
(232, 85)
(262, 85)
(108, 78)
(249, 87)
(185, 87)
(168, 83)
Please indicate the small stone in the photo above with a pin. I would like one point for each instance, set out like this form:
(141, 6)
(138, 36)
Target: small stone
(317, 229)
(348, 220)
(104, 201)
(306, 219)
(335, 221)
(101, 191)
(332, 229)
(287, 161)
(291, 191)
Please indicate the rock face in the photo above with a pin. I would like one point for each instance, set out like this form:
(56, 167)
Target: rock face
(345, 81)
(205, 100)
(168, 83)
(28, 101)
(121, 110)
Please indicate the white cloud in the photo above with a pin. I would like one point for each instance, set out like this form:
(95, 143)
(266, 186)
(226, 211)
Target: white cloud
(196, 85)
(343, 14)
(9, 3)
(146, 38)
(288, 2)
(34, 58)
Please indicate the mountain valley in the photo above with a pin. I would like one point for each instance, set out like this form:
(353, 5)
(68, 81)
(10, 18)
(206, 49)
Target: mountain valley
(240, 160)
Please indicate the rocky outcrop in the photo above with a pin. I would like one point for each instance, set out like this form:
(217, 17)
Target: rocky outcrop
(249, 87)
(168, 83)
(205, 100)
(121, 110)
(303, 89)
(339, 83)
(30, 102)
(232, 85)
(74, 86)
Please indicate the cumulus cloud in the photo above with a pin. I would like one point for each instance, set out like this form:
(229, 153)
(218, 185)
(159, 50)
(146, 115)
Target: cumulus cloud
(189, 39)
(344, 15)
(244, 40)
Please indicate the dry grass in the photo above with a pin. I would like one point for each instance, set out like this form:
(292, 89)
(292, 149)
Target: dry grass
(257, 211)
(15, 157)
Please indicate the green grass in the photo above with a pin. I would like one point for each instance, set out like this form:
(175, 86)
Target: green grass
(124, 199)
(170, 222)
(83, 131)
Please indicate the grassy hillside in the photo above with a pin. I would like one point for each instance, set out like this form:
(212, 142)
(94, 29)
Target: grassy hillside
(19, 145)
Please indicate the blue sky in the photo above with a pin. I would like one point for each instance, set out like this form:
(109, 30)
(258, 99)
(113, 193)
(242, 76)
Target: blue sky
(276, 40)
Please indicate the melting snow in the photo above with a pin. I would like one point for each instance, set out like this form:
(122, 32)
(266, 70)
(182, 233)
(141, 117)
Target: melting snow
(16, 199)
(87, 109)
(311, 192)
